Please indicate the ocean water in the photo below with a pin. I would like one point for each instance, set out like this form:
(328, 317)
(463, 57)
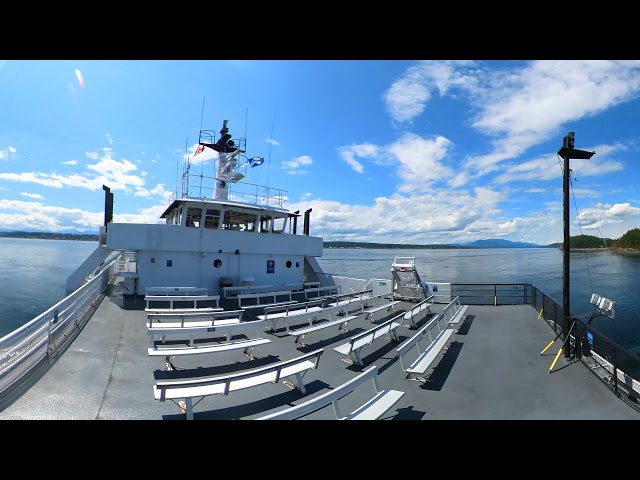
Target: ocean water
(34, 273)
(608, 274)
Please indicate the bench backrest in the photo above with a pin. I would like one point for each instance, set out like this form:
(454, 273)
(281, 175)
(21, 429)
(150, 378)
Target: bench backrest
(370, 335)
(158, 328)
(424, 331)
(275, 368)
(213, 316)
(318, 291)
(418, 307)
(257, 297)
(327, 398)
(293, 308)
(452, 308)
(231, 292)
(176, 291)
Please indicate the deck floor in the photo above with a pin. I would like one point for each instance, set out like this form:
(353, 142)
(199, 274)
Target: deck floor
(492, 370)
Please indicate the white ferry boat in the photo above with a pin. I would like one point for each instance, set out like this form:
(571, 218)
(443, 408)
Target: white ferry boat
(223, 312)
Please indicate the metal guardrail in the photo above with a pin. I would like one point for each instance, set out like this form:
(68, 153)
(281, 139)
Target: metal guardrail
(617, 367)
(48, 334)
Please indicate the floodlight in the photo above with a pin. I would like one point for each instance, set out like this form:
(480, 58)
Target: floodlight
(605, 306)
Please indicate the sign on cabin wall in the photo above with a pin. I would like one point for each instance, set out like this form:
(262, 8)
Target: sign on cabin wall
(271, 266)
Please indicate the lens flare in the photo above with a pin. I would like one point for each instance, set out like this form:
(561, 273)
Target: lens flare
(80, 80)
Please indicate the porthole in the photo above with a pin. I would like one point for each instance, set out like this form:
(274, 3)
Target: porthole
(288, 264)
(217, 263)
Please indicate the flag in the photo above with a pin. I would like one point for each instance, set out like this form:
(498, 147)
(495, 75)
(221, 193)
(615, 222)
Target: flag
(255, 161)
(199, 150)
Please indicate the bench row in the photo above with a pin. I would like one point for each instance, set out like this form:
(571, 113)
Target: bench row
(185, 391)
(428, 342)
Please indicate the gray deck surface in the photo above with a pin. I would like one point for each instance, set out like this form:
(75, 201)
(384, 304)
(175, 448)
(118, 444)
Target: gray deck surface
(492, 370)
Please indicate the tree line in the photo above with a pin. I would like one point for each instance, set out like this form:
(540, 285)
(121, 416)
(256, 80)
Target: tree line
(630, 240)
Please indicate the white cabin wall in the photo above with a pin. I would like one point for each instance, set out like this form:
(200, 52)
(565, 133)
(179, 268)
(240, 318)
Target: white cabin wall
(189, 270)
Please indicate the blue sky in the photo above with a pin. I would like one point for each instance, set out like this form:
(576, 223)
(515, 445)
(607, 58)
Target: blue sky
(392, 151)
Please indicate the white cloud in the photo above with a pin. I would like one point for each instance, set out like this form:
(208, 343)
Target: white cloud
(70, 162)
(32, 195)
(294, 164)
(8, 153)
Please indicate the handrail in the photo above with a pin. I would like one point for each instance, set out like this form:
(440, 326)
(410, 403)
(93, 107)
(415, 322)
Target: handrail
(50, 333)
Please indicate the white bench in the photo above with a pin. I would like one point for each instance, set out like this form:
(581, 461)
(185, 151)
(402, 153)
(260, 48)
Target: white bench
(373, 409)
(428, 342)
(221, 385)
(335, 317)
(350, 300)
(352, 348)
(291, 311)
(246, 344)
(205, 329)
(194, 300)
(388, 305)
(294, 287)
(454, 312)
(192, 318)
(320, 292)
(233, 292)
(415, 311)
(176, 291)
(265, 299)
(181, 311)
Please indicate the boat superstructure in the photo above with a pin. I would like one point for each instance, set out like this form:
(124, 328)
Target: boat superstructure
(93, 354)
(225, 236)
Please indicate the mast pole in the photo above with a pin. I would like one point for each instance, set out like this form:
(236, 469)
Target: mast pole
(566, 261)
(566, 152)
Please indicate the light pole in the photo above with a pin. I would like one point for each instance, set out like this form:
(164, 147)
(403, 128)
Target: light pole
(566, 152)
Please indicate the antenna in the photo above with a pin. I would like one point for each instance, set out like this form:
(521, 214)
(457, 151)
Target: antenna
(269, 159)
(246, 120)
(201, 117)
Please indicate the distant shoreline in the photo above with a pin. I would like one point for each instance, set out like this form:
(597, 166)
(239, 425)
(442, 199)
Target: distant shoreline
(329, 245)
(50, 236)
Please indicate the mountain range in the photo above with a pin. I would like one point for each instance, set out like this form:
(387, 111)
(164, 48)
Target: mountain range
(490, 243)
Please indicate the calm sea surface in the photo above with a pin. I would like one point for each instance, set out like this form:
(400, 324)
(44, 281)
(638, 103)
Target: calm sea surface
(34, 273)
(614, 276)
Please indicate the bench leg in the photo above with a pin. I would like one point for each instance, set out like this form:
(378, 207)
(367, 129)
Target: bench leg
(416, 378)
(300, 383)
(170, 366)
(356, 357)
(188, 408)
(273, 326)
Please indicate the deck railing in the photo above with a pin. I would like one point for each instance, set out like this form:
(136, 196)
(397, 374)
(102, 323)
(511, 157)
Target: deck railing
(50, 333)
(615, 366)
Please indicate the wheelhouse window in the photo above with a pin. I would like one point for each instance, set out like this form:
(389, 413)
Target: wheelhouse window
(175, 217)
(239, 220)
(265, 224)
(279, 224)
(212, 218)
(194, 215)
